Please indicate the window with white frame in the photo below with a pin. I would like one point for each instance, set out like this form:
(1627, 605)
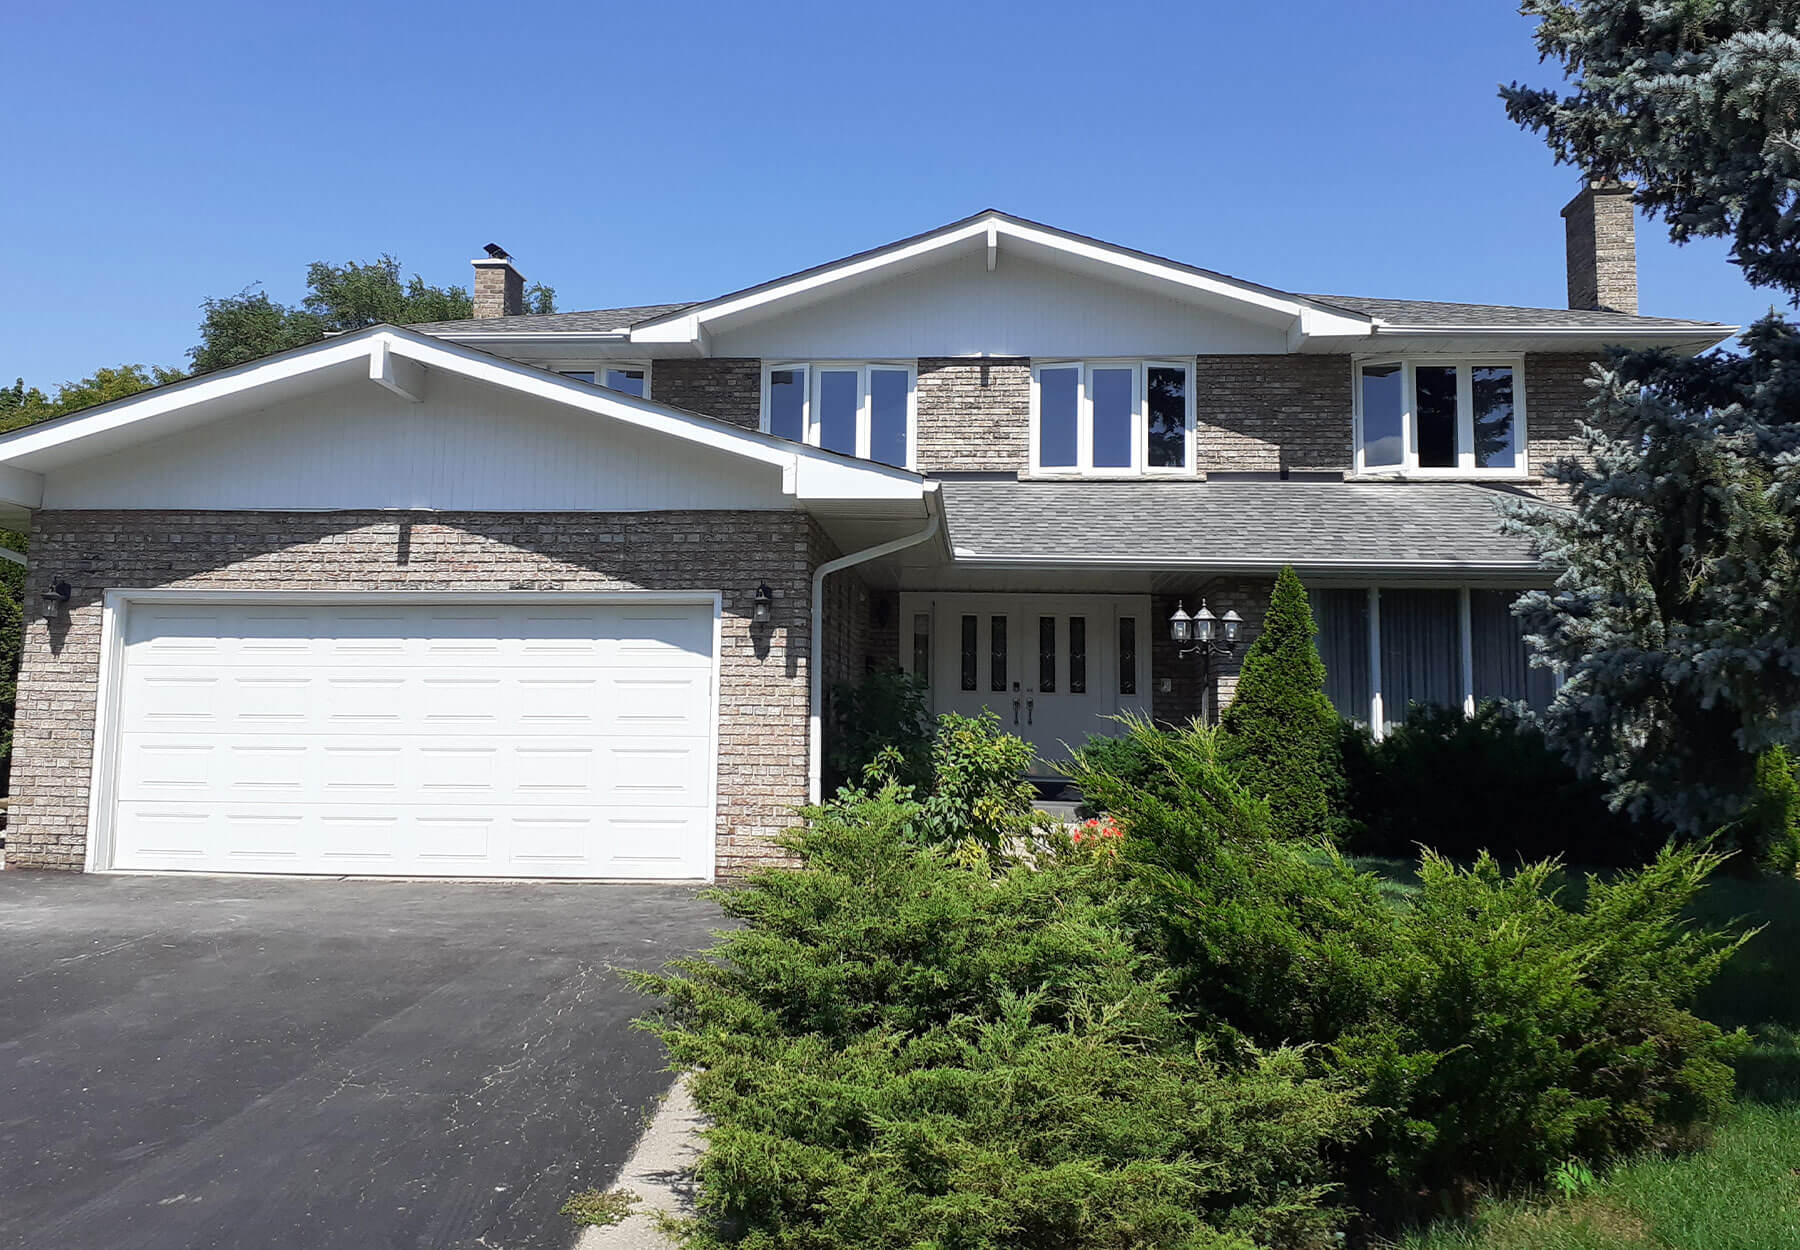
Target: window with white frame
(1440, 416)
(861, 409)
(1106, 417)
(629, 376)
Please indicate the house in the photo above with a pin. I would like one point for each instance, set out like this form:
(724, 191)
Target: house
(562, 595)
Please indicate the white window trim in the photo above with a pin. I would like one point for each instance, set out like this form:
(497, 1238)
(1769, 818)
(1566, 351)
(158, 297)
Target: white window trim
(1140, 421)
(809, 417)
(599, 367)
(1465, 466)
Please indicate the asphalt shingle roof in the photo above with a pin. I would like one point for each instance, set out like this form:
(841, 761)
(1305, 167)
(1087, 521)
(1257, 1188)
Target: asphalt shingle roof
(1419, 312)
(597, 321)
(1231, 523)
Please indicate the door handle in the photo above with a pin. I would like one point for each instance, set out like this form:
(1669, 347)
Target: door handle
(1029, 704)
(1015, 711)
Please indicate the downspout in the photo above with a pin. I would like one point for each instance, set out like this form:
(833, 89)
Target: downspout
(815, 733)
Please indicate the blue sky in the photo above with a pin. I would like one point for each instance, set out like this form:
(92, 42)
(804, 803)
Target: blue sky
(641, 153)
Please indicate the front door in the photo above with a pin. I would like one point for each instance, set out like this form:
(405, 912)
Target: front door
(1055, 669)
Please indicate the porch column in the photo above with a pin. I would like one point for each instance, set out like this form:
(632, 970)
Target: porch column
(1375, 713)
(1465, 632)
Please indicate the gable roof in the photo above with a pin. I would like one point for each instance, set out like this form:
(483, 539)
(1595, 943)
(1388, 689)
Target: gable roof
(1329, 322)
(400, 360)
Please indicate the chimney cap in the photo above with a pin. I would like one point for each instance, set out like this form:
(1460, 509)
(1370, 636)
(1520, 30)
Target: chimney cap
(496, 251)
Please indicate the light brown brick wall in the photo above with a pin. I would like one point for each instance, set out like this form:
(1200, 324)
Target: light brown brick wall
(1556, 399)
(1265, 413)
(974, 415)
(726, 387)
(763, 671)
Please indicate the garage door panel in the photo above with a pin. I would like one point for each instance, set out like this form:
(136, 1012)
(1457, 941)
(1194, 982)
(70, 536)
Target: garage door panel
(569, 740)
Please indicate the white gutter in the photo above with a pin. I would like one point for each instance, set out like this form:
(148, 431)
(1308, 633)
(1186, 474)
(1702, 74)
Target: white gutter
(815, 732)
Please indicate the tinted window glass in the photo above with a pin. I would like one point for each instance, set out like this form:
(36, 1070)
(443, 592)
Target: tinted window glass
(1058, 394)
(1077, 655)
(1495, 440)
(1047, 654)
(1168, 417)
(631, 381)
(969, 626)
(997, 653)
(1435, 388)
(1383, 416)
(580, 375)
(836, 412)
(1110, 391)
(787, 403)
(1127, 655)
(887, 416)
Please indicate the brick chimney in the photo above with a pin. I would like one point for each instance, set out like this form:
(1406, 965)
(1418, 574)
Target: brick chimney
(1602, 237)
(499, 288)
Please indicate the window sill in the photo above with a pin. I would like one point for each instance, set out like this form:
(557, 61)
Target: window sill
(1497, 479)
(1043, 475)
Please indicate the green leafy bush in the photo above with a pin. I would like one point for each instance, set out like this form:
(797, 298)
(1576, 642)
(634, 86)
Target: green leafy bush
(1125, 757)
(1281, 730)
(898, 1049)
(887, 711)
(978, 792)
(1462, 785)
(1497, 1029)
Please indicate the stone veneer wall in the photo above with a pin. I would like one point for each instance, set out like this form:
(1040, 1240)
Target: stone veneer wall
(974, 415)
(726, 387)
(1556, 399)
(763, 683)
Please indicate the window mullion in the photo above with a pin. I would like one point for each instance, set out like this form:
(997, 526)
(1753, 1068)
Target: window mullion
(1465, 418)
(865, 413)
(1409, 419)
(1084, 422)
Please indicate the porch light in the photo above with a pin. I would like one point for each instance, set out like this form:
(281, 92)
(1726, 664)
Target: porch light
(54, 599)
(1231, 620)
(1203, 624)
(762, 605)
(1181, 624)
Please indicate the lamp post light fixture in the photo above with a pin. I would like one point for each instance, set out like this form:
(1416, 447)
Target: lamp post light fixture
(762, 605)
(55, 599)
(1211, 636)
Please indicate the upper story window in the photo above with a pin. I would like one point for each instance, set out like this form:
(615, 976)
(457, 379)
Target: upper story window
(1440, 417)
(1106, 417)
(860, 409)
(632, 377)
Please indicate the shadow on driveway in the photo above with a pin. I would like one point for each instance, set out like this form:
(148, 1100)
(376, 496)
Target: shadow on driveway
(204, 1061)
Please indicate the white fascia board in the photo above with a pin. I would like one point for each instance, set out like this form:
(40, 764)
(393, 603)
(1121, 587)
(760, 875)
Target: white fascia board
(403, 377)
(222, 385)
(968, 558)
(407, 354)
(1314, 323)
(989, 228)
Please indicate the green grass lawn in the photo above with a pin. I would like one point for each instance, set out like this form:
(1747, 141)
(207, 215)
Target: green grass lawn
(1742, 1192)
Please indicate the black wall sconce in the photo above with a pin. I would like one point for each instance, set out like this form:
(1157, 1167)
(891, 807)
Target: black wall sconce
(763, 605)
(56, 600)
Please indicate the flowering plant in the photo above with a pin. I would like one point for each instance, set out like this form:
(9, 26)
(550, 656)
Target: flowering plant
(1100, 834)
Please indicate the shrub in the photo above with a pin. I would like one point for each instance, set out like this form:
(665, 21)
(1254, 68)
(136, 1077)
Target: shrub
(1124, 757)
(887, 711)
(1281, 730)
(1774, 812)
(898, 1050)
(1497, 1029)
(1463, 785)
(978, 791)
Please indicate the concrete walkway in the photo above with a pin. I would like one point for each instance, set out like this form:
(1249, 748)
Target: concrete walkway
(661, 1173)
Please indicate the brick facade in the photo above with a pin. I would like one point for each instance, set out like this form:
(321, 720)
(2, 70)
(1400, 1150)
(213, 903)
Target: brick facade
(1187, 697)
(1266, 413)
(726, 387)
(763, 670)
(974, 415)
(1601, 236)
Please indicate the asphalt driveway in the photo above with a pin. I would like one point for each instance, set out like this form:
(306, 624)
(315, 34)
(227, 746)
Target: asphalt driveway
(197, 1062)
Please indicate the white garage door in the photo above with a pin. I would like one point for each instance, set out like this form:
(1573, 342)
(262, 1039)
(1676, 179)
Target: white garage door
(502, 738)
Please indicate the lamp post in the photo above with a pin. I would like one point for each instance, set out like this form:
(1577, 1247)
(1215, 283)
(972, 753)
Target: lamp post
(1210, 637)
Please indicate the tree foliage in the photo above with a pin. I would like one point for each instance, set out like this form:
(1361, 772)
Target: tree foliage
(1676, 615)
(339, 298)
(22, 405)
(1698, 101)
(1281, 730)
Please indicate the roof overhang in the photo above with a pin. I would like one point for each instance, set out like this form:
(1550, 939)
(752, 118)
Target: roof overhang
(996, 236)
(1685, 340)
(404, 362)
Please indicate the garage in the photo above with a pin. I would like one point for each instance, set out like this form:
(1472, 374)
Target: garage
(526, 734)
